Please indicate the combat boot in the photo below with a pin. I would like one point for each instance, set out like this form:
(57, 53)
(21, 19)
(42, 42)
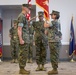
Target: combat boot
(13, 61)
(28, 61)
(23, 71)
(31, 60)
(38, 68)
(43, 68)
(16, 61)
(54, 71)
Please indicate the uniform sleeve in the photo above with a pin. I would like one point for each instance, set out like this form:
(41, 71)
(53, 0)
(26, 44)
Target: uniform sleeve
(60, 34)
(59, 27)
(51, 24)
(20, 21)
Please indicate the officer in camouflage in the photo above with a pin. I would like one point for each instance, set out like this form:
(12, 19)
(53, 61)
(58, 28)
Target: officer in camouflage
(54, 38)
(23, 35)
(40, 42)
(14, 42)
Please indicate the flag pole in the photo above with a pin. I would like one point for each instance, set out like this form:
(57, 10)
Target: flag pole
(72, 59)
(72, 41)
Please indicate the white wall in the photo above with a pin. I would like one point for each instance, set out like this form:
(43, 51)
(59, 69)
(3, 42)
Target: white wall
(7, 16)
(67, 8)
(14, 2)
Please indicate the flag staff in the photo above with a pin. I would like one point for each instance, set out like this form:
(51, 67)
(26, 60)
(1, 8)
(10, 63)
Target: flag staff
(72, 42)
(72, 59)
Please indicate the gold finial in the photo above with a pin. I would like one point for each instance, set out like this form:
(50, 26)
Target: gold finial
(72, 60)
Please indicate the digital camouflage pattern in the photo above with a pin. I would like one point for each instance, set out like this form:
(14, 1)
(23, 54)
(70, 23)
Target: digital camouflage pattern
(23, 55)
(54, 39)
(25, 32)
(40, 41)
(25, 36)
(14, 42)
(31, 33)
(54, 32)
(54, 53)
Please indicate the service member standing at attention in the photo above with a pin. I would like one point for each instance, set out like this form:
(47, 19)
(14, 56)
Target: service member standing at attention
(23, 35)
(54, 39)
(40, 39)
(14, 41)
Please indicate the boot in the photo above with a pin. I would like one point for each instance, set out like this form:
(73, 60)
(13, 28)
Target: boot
(42, 68)
(16, 61)
(31, 60)
(38, 68)
(28, 61)
(23, 71)
(13, 61)
(54, 71)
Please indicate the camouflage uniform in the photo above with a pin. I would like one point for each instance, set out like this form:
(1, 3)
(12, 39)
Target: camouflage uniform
(54, 38)
(22, 21)
(40, 41)
(14, 41)
(30, 51)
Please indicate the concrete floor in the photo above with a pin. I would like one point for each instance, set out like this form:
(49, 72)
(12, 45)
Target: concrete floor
(65, 68)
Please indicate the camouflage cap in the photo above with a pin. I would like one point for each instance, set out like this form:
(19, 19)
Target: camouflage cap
(55, 12)
(40, 13)
(15, 21)
(26, 5)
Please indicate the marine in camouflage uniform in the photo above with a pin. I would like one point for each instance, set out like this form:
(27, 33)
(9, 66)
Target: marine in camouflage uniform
(14, 42)
(54, 39)
(40, 42)
(30, 51)
(23, 34)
